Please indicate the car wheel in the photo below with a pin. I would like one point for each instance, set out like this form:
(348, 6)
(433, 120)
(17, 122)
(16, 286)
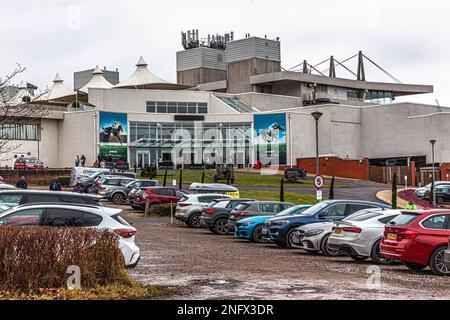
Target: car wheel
(326, 251)
(437, 263)
(439, 200)
(358, 258)
(376, 256)
(89, 188)
(289, 237)
(118, 199)
(194, 221)
(257, 235)
(415, 266)
(220, 227)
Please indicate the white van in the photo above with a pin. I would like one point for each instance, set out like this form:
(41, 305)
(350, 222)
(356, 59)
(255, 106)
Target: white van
(81, 172)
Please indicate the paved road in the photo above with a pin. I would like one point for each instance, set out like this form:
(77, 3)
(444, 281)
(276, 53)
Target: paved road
(200, 265)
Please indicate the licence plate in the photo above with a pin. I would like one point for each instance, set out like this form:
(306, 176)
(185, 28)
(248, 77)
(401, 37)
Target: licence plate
(337, 231)
(392, 236)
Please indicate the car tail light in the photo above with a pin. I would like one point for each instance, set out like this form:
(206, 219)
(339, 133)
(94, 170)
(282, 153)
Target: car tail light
(125, 233)
(97, 182)
(183, 204)
(211, 210)
(353, 230)
(408, 234)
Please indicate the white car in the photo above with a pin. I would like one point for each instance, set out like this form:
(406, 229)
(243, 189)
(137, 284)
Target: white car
(190, 207)
(359, 235)
(313, 237)
(77, 215)
(4, 186)
(420, 192)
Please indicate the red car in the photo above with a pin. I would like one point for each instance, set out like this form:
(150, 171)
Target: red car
(28, 164)
(158, 195)
(418, 239)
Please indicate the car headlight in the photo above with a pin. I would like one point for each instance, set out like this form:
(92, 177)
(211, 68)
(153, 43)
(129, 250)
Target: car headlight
(282, 223)
(313, 232)
(246, 224)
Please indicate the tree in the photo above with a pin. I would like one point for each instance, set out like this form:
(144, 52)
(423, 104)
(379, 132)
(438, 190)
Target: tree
(394, 191)
(282, 190)
(15, 113)
(331, 195)
(165, 178)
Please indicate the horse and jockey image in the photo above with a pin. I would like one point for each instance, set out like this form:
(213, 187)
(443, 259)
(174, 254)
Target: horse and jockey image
(113, 128)
(272, 133)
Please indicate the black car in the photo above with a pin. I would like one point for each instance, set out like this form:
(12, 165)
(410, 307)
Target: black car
(294, 174)
(16, 197)
(442, 194)
(216, 215)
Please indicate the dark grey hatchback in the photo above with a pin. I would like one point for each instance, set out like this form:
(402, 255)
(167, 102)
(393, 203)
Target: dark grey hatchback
(216, 215)
(256, 208)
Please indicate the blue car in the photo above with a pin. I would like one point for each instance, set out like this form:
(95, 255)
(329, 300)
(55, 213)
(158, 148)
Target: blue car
(251, 228)
(281, 229)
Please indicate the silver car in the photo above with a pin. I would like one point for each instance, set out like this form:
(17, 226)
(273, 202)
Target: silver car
(313, 237)
(420, 192)
(108, 183)
(359, 236)
(190, 207)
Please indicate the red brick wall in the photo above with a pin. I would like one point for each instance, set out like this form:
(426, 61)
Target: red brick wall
(337, 167)
(445, 169)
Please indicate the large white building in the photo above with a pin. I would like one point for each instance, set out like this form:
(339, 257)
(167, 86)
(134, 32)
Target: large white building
(241, 93)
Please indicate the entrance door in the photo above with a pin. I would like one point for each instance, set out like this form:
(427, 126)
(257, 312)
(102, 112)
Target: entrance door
(154, 155)
(143, 158)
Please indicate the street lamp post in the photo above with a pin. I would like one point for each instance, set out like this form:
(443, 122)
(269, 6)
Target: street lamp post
(316, 115)
(433, 142)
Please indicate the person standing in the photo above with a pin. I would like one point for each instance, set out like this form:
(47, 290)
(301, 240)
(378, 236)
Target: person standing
(22, 183)
(411, 206)
(55, 185)
(83, 160)
(77, 160)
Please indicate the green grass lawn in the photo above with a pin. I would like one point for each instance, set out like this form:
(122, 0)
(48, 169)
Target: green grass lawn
(267, 195)
(241, 179)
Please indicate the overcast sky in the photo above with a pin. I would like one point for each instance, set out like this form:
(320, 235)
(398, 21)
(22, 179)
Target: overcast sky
(410, 39)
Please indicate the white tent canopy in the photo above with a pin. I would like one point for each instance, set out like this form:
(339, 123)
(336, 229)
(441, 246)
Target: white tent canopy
(21, 94)
(143, 78)
(98, 81)
(59, 92)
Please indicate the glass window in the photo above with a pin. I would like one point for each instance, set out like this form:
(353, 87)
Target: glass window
(386, 220)
(352, 208)
(161, 107)
(164, 192)
(436, 222)
(125, 182)
(71, 218)
(404, 219)
(11, 131)
(39, 198)
(9, 201)
(172, 109)
(269, 208)
(29, 217)
(151, 109)
(337, 210)
(81, 200)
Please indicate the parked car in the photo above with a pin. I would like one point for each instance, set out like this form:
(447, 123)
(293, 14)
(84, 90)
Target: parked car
(79, 215)
(107, 184)
(294, 174)
(17, 197)
(359, 235)
(447, 255)
(119, 194)
(418, 239)
(79, 174)
(442, 192)
(190, 207)
(28, 164)
(420, 192)
(92, 182)
(281, 229)
(214, 188)
(4, 186)
(157, 195)
(215, 215)
(251, 228)
(256, 208)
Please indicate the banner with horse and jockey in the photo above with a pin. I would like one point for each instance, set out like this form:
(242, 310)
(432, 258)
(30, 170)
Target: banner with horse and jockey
(113, 129)
(270, 139)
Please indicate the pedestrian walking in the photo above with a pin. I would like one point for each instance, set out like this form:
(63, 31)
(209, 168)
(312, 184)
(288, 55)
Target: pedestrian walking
(83, 160)
(77, 160)
(22, 183)
(55, 185)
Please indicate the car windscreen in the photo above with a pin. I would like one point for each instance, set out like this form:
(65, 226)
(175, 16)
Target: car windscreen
(404, 219)
(314, 209)
(362, 215)
(120, 220)
(242, 206)
(9, 201)
(292, 210)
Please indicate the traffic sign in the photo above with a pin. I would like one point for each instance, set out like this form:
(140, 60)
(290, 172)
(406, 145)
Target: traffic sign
(319, 181)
